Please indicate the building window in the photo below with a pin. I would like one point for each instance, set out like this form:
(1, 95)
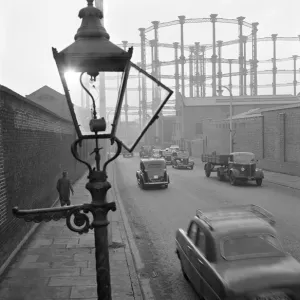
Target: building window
(199, 128)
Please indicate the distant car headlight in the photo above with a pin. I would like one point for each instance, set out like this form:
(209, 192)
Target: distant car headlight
(243, 169)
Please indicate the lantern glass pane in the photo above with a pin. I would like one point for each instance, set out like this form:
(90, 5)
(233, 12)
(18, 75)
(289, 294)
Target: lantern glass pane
(142, 100)
(105, 96)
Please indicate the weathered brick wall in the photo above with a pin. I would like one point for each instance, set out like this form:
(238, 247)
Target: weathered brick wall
(248, 135)
(34, 150)
(274, 137)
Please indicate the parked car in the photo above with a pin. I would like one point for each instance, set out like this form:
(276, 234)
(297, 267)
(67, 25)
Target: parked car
(236, 166)
(181, 160)
(234, 253)
(157, 153)
(146, 151)
(152, 172)
(126, 153)
(167, 155)
(174, 148)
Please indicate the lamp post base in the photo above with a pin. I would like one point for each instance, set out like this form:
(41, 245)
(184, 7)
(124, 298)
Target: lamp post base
(98, 187)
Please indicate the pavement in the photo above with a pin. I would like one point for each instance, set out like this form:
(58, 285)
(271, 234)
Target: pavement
(155, 214)
(59, 264)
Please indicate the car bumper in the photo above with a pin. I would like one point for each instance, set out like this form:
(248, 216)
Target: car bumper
(245, 177)
(185, 166)
(156, 183)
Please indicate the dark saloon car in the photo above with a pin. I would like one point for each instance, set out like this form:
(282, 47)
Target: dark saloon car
(181, 160)
(126, 153)
(234, 254)
(152, 172)
(146, 151)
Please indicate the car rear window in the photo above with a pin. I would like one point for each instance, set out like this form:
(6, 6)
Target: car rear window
(250, 246)
(154, 166)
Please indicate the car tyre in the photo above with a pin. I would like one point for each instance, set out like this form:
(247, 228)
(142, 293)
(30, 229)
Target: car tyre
(259, 181)
(232, 179)
(192, 167)
(220, 177)
(183, 272)
(207, 173)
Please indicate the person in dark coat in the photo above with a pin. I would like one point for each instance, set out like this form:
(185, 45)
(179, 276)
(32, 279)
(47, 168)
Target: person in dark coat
(64, 187)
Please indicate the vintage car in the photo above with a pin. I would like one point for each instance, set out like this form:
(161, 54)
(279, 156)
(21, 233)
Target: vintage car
(174, 148)
(157, 153)
(234, 253)
(146, 151)
(236, 166)
(167, 155)
(126, 153)
(152, 172)
(181, 160)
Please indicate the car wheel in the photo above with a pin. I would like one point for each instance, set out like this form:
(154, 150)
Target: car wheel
(220, 177)
(232, 179)
(192, 167)
(183, 272)
(207, 173)
(259, 181)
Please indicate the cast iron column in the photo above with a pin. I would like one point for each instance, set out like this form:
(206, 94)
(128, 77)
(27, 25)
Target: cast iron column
(274, 83)
(295, 57)
(203, 71)
(219, 44)
(213, 18)
(197, 54)
(245, 38)
(191, 71)
(254, 58)
(153, 73)
(241, 57)
(230, 73)
(140, 97)
(182, 58)
(144, 83)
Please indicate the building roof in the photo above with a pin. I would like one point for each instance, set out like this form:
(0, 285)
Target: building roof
(52, 100)
(241, 100)
(256, 112)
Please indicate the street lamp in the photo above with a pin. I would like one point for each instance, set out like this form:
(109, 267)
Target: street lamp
(230, 117)
(90, 54)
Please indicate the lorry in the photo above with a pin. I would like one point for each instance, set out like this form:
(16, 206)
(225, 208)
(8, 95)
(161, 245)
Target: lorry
(236, 166)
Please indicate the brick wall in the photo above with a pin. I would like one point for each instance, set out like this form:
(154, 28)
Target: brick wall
(274, 137)
(34, 150)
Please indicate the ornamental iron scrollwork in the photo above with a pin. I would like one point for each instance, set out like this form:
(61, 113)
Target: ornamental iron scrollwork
(77, 219)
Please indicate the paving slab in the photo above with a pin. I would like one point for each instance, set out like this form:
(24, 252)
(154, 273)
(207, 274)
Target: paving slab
(59, 264)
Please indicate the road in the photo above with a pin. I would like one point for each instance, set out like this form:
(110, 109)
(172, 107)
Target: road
(156, 214)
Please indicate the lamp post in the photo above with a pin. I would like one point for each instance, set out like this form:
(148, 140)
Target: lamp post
(230, 117)
(91, 54)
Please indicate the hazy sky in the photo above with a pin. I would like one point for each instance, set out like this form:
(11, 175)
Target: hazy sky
(29, 29)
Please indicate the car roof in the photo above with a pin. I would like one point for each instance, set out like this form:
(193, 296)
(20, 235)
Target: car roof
(237, 220)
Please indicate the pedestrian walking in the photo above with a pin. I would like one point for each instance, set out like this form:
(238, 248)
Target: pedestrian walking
(64, 187)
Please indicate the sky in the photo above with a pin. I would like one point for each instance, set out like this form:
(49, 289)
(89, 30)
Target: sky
(29, 29)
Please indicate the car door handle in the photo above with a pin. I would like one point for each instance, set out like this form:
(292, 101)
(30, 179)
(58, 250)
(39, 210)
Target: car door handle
(200, 261)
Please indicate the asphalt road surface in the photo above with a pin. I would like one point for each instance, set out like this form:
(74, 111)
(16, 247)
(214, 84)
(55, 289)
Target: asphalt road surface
(156, 214)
